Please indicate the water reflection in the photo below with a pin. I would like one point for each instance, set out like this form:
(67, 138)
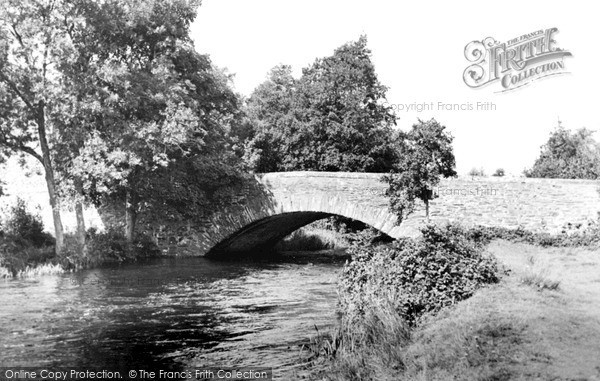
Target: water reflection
(169, 314)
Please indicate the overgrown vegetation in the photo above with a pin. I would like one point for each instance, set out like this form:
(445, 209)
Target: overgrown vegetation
(386, 290)
(568, 155)
(23, 241)
(418, 276)
(395, 322)
(26, 249)
(335, 232)
(587, 234)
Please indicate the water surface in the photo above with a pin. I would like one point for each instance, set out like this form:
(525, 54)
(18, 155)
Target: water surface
(170, 314)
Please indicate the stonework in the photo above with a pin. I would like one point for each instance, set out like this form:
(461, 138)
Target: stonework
(282, 202)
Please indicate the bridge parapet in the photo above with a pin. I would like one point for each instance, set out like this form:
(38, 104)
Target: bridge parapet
(282, 202)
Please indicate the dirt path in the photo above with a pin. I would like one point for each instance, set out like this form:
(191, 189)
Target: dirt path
(563, 325)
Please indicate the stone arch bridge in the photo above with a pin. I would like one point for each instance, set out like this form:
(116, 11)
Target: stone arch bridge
(283, 202)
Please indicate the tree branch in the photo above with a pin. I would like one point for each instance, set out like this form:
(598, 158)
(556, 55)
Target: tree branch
(14, 88)
(23, 148)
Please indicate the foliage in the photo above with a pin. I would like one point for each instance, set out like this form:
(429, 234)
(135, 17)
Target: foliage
(333, 118)
(309, 240)
(419, 276)
(33, 45)
(145, 112)
(20, 222)
(477, 172)
(587, 234)
(23, 241)
(372, 351)
(425, 156)
(499, 172)
(17, 254)
(568, 155)
(107, 247)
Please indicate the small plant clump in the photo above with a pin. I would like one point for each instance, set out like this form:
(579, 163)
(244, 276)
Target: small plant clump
(499, 172)
(477, 172)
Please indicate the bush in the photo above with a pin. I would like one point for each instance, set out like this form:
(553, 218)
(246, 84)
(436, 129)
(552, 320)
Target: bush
(16, 253)
(23, 241)
(499, 172)
(442, 267)
(477, 172)
(571, 235)
(27, 226)
(305, 240)
(106, 247)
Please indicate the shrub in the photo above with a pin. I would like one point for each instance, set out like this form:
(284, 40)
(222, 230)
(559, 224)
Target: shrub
(29, 227)
(16, 253)
(106, 247)
(477, 172)
(442, 267)
(305, 240)
(109, 246)
(499, 172)
(571, 235)
(23, 242)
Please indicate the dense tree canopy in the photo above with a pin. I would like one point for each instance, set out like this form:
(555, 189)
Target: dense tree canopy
(117, 100)
(568, 155)
(158, 110)
(332, 118)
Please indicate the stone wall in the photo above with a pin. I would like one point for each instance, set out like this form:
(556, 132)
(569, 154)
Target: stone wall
(282, 202)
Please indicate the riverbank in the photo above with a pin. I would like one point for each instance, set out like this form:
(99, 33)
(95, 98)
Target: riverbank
(540, 322)
(21, 257)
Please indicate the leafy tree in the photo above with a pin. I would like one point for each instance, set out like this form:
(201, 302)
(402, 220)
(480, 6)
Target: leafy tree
(33, 43)
(499, 172)
(331, 119)
(152, 103)
(568, 155)
(425, 156)
(270, 116)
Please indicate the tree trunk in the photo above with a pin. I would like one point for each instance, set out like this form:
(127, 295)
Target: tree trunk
(427, 209)
(49, 176)
(80, 219)
(130, 215)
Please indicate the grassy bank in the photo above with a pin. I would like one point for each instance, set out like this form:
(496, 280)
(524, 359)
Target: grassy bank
(334, 233)
(540, 322)
(312, 239)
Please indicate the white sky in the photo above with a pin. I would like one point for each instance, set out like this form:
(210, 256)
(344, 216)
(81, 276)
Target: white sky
(418, 52)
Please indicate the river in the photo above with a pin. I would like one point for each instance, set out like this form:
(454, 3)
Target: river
(170, 313)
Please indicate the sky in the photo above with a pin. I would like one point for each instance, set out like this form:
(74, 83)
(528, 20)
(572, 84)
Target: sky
(418, 52)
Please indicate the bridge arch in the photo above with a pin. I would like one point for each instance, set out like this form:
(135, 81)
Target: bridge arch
(287, 201)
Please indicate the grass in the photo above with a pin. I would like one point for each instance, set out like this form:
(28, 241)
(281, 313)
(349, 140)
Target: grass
(312, 239)
(30, 271)
(540, 281)
(506, 331)
(537, 275)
